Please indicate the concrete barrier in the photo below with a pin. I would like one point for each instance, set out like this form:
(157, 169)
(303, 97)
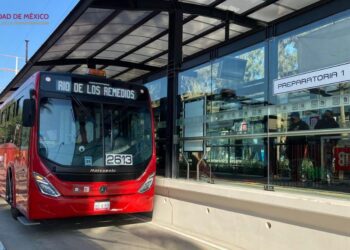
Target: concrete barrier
(247, 218)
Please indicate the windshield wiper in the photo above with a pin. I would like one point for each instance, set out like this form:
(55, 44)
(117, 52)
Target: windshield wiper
(80, 104)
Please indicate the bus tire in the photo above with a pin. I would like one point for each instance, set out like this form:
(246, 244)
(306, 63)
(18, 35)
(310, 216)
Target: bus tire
(8, 190)
(9, 196)
(15, 213)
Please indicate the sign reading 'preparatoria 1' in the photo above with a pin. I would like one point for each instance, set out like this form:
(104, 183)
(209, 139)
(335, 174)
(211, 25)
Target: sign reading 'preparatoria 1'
(314, 79)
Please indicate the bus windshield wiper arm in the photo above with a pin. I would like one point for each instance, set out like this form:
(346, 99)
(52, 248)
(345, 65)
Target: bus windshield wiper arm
(80, 104)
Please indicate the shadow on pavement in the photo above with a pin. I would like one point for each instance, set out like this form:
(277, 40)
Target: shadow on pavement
(99, 232)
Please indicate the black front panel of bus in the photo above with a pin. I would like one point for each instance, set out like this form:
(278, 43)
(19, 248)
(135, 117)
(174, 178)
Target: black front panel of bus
(92, 86)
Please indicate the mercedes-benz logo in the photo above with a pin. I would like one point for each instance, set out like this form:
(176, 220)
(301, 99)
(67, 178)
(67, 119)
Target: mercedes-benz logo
(103, 189)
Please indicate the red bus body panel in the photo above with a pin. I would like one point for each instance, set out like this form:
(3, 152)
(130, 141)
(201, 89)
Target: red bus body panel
(123, 195)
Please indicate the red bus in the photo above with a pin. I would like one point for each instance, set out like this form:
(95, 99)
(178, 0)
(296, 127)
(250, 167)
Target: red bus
(74, 145)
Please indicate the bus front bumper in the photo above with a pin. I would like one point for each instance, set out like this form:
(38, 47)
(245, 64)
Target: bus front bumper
(43, 207)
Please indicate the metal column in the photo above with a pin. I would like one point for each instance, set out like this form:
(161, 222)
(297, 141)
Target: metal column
(174, 63)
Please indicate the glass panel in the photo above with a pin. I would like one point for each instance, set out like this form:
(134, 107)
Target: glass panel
(121, 47)
(52, 55)
(270, 13)
(238, 94)
(81, 53)
(113, 70)
(135, 58)
(239, 6)
(202, 2)
(148, 52)
(82, 136)
(66, 39)
(116, 68)
(64, 68)
(80, 29)
(186, 36)
(195, 82)
(319, 162)
(217, 35)
(238, 28)
(296, 4)
(208, 20)
(160, 21)
(164, 38)
(195, 27)
(189, 50)
(158, 92)
(234, 33)
(103, 38)
(158, 44)
(61, 47)
(130, 17)
(91, 12)
(147, 31)
(131, 74)
(310, 122)
(91, 46)
(113, 28)
(133, 39)
(158, 62)
(203, 43)
(83, 131)
(108, 54)
(89, 20)
(224, 101)
(81, 70)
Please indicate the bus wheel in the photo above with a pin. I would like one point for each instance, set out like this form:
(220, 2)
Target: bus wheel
(8, 190)
(9, 197)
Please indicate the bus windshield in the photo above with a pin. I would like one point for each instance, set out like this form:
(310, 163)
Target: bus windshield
(76, 133)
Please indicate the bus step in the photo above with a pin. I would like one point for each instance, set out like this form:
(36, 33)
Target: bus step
(27, 222)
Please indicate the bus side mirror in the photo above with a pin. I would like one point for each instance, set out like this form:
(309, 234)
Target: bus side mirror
(28, 113)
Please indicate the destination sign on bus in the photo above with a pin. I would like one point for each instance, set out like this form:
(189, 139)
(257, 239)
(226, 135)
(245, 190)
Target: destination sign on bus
(99, 89)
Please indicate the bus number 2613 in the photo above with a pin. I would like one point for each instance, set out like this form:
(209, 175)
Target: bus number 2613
(118, 159)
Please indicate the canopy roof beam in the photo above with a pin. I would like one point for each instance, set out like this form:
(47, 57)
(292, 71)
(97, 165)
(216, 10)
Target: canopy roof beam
(163, 33)
(96, 61)
(188, 8)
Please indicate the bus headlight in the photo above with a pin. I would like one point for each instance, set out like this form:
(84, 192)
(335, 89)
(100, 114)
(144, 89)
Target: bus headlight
(148, 183)
(45, 186)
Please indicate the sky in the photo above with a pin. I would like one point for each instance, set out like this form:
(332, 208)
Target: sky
(16, 26)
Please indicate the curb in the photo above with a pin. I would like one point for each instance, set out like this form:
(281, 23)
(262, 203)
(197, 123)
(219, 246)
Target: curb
(2, 246)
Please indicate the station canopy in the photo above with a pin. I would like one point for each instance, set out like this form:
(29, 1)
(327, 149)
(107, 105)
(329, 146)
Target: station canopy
(129, 38)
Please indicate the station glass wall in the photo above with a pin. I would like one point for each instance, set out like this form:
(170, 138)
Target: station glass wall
(236, 125)
(319, 157)
(216, 99)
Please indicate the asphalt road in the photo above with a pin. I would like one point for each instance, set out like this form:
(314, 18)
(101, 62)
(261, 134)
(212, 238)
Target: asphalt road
(107, 232)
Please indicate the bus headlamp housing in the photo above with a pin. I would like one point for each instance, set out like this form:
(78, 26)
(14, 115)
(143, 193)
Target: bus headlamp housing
(45, 186)
(147, 184)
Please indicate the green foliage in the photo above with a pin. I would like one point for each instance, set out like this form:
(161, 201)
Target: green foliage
(252, 163)
(255, 67)
(287, 57)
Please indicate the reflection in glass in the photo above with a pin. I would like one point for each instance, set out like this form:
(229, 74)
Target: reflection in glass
(231, 88)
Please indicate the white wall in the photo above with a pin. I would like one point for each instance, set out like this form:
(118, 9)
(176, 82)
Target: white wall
(247, 218)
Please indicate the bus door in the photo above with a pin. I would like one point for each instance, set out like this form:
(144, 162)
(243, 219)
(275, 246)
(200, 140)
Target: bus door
(21, 139)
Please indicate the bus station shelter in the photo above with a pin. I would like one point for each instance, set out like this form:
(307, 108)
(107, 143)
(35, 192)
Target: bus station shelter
(228, 78)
